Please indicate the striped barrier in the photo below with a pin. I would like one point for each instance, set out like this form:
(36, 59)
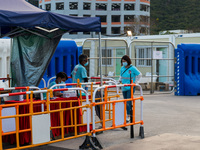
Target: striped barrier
(43, 117)
(117, 106)
(27, 88)
(91, 90)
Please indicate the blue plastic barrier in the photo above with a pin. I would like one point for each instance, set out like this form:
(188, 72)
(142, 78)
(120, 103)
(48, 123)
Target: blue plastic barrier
(64, 59)
(187, 69)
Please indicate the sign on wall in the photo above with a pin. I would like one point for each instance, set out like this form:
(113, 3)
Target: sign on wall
(157, 55)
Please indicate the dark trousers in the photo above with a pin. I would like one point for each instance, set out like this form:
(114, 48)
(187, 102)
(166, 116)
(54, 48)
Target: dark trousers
(127, 95)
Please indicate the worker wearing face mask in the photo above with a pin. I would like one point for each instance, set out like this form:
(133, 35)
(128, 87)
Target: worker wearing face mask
(61, 77)
(128, 72)
(79, 71)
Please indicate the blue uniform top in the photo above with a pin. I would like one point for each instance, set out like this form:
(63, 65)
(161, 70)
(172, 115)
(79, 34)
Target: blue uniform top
(79, 72)
(53, 83)
(125, 76)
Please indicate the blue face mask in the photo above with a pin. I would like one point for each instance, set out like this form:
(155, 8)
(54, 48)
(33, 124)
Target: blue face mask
(86, 64)
(124, 64)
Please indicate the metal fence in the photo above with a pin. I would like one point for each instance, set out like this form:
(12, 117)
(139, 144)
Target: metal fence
(155, 60)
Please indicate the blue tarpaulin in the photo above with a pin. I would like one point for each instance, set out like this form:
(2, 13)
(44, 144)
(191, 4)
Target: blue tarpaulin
(19, 13)
(36, 34)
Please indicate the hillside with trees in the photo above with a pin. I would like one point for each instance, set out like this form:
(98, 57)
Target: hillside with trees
(174, 15)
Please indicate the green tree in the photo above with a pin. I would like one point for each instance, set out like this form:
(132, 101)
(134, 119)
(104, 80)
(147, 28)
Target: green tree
(175, 14)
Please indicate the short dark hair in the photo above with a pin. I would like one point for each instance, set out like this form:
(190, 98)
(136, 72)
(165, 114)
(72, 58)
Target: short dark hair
(82, 57)
(62, 75)
(127, 58)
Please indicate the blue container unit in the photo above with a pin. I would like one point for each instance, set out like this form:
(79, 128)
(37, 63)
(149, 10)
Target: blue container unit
(187, 70)
(64, 59)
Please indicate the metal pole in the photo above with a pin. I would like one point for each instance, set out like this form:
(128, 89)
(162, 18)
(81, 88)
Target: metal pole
(152, 90)
(11, 48)
(101, 77)
(106, 51)
(131, 112)
(100, 58)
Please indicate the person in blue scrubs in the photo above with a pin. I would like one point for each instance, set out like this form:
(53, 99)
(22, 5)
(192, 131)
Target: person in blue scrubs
(128, 72)
(79, 71)
(61, 77)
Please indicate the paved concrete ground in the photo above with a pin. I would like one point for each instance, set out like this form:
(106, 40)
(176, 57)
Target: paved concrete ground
(170, 123)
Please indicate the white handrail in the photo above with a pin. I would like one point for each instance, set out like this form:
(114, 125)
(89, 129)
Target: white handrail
(22, 88)
(50, 80)
(44, 83)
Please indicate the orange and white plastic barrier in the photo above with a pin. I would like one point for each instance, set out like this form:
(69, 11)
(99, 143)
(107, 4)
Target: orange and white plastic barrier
(43, 137)
(39, 121)
(117, 120)
(117, 101)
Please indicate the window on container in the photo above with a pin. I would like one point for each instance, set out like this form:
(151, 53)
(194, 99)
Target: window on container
(73, 5)
(86, 6)
(115, 18)
(115, 30)
(60, 6)
(106, 53)
(103, 30)
(143, 7)
(140, 54)
(115, 6)
(129, 18)
(148, 55)
(144, 55)
(103, 18)
(48, 7)
(129, 7)
(101, 6)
